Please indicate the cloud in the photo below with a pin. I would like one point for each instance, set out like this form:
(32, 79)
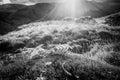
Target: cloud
(98, 0)
(46, 1)
(101, 1)
(50, 1)
(35, 1)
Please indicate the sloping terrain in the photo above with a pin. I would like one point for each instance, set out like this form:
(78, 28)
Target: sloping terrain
(6, 10)
(14, 15)
(68, 49)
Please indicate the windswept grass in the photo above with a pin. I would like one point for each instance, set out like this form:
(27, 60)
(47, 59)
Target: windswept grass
(69, 49)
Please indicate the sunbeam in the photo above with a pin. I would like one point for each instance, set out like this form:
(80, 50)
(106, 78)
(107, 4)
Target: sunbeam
(73, 8)
(78, 8)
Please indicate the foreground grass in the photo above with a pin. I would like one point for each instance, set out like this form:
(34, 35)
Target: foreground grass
(79, 49)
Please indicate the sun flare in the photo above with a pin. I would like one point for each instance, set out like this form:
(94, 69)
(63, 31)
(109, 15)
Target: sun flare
(73, 8)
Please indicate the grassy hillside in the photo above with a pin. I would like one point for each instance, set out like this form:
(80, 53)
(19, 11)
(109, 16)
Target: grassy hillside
(68, 49)
(14, 15)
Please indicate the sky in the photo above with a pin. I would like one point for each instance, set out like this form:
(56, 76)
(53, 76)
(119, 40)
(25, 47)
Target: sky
(49, 1)
(83, 0)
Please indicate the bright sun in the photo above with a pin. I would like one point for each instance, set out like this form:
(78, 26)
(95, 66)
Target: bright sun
(71, 6)
(74, 7)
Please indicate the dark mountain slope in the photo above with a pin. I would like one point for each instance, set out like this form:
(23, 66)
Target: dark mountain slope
(113, 19)
(12, 17)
